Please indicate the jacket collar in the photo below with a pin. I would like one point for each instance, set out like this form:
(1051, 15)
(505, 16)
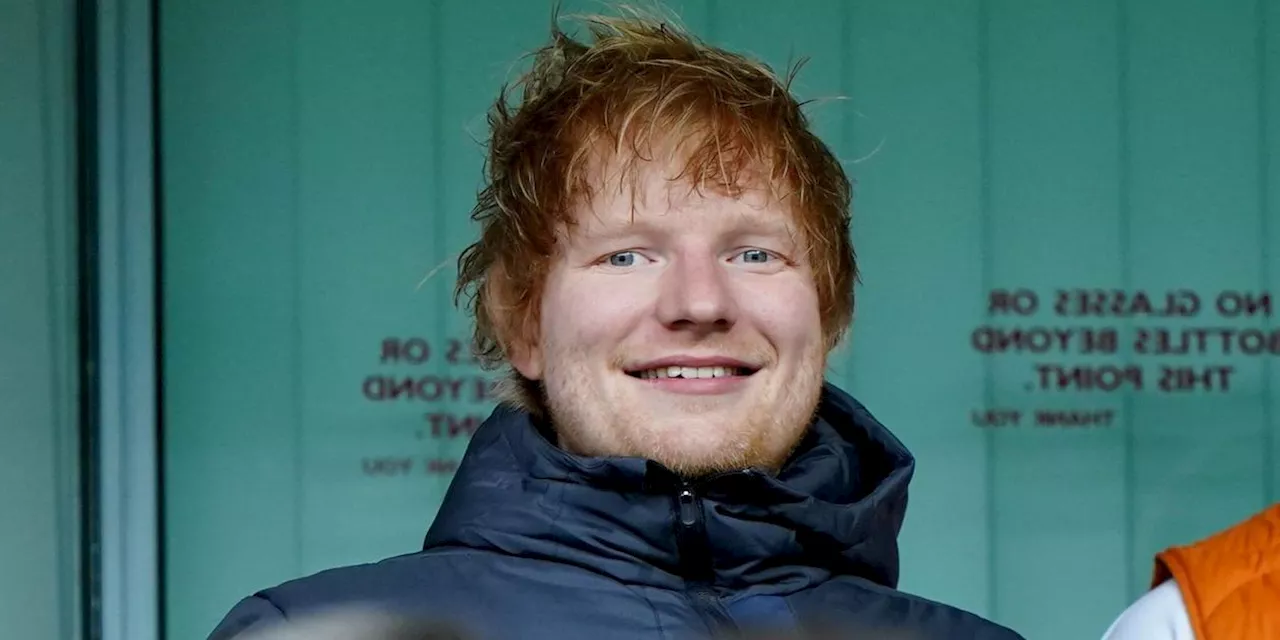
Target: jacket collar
(835, 508)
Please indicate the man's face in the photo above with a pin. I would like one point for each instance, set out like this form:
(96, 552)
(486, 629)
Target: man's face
(685, 331)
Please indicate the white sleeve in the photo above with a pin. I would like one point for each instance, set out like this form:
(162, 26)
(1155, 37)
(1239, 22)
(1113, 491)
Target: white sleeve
(1160, 614)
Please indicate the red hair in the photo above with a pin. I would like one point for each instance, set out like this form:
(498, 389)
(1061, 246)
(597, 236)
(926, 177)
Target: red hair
(635, 87)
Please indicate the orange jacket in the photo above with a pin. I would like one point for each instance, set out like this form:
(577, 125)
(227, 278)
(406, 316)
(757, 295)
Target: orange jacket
(1230, 581)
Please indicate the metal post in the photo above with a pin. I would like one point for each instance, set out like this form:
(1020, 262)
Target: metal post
(128, 462)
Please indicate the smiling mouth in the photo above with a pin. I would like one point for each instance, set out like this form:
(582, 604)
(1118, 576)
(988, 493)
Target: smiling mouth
(690, 373)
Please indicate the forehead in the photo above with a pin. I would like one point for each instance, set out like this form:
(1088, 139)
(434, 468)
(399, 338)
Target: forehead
(646, 193)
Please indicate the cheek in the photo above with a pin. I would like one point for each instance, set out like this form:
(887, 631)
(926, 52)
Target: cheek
(787, 314)
(586, 315)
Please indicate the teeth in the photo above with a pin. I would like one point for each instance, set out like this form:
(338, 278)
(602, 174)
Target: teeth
(676, 371)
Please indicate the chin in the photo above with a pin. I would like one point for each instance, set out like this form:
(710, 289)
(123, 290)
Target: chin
(701, 446)
(690, 435)
(698, 463)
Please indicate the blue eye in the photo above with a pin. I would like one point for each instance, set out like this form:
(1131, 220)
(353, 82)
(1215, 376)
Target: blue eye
(622, 259)
(755, 256)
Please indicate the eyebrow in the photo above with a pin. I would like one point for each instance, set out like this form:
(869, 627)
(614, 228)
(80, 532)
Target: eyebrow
(770, 223)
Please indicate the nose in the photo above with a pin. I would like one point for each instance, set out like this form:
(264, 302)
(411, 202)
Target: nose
(697, 296)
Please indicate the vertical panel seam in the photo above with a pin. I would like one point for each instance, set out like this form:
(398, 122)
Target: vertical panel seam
(154, 157)
(445, 318)
(439, 225)
(121, 267)
(50, 254)
(848, 142)
(295, 247)
(1124, 230)
(1264, 250)
(57, 344)
(987, 244)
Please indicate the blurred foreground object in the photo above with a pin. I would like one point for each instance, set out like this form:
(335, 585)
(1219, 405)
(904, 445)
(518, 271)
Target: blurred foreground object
(358, 624)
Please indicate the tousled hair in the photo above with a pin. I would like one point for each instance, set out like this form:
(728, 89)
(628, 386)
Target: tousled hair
(638, 87)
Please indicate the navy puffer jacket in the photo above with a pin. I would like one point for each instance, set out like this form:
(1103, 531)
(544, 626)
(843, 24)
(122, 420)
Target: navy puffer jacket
(532, 543)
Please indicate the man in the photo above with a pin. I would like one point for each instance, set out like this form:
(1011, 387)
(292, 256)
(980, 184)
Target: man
(664, 265)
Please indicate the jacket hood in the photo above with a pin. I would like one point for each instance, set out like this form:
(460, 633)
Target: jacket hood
(836, 507)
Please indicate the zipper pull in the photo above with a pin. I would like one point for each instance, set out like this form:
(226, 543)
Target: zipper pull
(688, 507)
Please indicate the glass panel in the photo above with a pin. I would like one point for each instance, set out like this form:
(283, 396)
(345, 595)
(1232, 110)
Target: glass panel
(320, 159)
(39, 478)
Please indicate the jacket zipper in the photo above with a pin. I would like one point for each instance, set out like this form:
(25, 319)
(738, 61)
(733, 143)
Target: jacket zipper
(695, 561)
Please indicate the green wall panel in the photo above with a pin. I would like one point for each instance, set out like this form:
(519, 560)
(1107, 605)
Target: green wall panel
(918, 229)
(1268, 42)
(231, 376)
(321, 159)
(1194, 223)
(1051, 163)
(39, 450)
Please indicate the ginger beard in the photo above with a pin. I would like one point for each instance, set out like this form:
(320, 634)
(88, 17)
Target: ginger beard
(694, 277)
(690, 435)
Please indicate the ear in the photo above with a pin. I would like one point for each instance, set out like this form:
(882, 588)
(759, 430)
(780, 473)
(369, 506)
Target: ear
(526, 358)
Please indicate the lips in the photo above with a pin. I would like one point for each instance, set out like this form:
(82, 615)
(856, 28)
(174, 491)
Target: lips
(677, 371)
(691, 368)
